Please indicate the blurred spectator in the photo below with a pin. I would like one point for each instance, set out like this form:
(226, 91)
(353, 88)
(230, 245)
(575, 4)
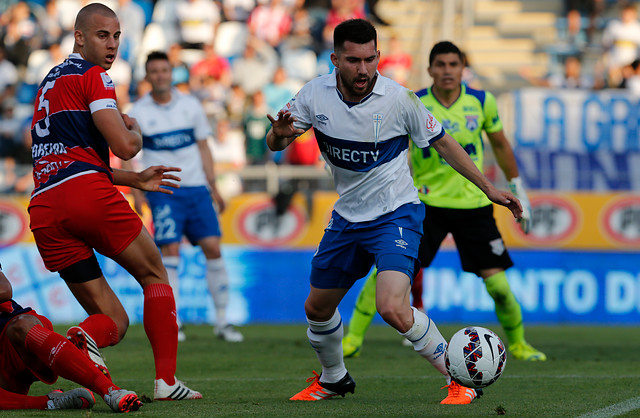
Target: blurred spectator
(41, 61)
(256, 125)
(8, 77)
(67, 10)
(300, 36)
(211, 66)
(18, 176)
(279, 91)
(9, 127)
(235, 106)
(132, 23)
(255, 68)
(20, 29)
(228, 146)
(238, 10)
(621, 40)
(592, 9)
(179, 69)
(574, 36)
(210, 82)
(51, 24)
(340, 11)
(197, 20)
(571, 77)
(395, 63)
(270, 22)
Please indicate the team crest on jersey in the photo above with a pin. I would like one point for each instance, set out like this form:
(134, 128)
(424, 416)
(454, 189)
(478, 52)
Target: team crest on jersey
(472, 122)
(377, 123)
(107, 81)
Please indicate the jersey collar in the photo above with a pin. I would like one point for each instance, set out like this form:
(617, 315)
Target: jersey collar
(462, 93)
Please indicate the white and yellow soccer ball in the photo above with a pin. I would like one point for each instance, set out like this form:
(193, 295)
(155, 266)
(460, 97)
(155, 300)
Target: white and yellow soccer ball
(475, 357)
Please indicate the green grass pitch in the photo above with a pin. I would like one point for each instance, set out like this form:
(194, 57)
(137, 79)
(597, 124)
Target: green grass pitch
(589, 368)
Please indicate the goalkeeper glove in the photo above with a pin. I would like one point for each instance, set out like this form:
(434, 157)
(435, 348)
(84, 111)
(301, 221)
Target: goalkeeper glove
(518, 191)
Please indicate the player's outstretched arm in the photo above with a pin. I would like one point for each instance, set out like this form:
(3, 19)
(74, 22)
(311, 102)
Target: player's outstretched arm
(452, 152)
(282, 131)
(152, 179)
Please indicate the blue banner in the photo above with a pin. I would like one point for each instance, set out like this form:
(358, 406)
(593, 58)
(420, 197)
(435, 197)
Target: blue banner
(575, 139)
(270, 286)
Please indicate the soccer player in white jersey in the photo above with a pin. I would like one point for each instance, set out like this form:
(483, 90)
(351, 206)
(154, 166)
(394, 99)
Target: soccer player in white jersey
(175, 128)
(362, 123)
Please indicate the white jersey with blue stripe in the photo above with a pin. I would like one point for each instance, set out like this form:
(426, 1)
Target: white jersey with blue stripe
(169, 134)
(366, 144)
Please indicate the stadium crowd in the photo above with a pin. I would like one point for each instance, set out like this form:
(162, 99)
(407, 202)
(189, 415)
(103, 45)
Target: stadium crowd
(246, 58)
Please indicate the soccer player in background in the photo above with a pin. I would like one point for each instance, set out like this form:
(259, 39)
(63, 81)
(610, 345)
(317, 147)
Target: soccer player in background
(362, 122)
(455, 205)
(75, 207)
(31, 351)
(174, 132)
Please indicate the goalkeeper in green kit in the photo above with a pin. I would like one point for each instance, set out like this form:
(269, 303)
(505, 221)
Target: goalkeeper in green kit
(455, 205)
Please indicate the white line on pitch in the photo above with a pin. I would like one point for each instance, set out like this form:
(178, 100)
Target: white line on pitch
(615, 409)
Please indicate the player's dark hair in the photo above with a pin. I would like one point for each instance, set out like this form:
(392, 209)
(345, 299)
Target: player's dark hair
(358, 31)
(445, 47)
(156, 55)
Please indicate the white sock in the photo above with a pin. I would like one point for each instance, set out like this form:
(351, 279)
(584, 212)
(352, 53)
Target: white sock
(171, 265)
(326, 340)
(218, 281)
(427, 341)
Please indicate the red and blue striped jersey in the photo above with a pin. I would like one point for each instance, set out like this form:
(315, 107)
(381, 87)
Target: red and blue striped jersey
(66, 142)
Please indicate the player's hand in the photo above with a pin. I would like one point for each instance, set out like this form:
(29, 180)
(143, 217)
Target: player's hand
(218, 200)
(282, 127)
(131, 123)
(518, 191)
(507, 200)
(155, 179)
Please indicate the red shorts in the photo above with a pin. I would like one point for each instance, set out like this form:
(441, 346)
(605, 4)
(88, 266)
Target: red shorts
(85, 213)
(18, 375)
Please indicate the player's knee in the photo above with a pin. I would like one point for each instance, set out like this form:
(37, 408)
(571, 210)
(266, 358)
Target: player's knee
(391, 313)
(19, 327)
(318, 312)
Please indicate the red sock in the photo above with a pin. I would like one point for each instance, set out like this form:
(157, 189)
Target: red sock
(102, 329)
(10, 400)
(162, 330)
(66, 360)
(416, 291)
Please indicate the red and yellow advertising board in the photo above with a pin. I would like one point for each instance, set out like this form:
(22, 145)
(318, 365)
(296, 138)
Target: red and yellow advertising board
(605, 221)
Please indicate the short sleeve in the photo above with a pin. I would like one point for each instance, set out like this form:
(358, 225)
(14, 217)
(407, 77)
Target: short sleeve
(423, 127)
(100, 90)
(300, 109)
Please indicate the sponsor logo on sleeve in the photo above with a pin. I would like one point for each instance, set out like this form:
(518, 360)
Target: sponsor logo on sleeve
(107, 81)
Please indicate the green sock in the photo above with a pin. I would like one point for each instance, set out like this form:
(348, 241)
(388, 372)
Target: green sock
(365, 309)
(507, 307)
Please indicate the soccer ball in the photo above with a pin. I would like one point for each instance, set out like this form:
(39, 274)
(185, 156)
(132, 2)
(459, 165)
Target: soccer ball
(475, 357)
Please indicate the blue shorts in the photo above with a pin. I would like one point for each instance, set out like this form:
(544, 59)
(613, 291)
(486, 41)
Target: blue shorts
(188, 211)
(348, 250)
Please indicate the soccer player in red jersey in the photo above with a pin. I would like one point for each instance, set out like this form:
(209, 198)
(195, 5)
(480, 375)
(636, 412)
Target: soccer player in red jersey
(75, 207)
(30, 351)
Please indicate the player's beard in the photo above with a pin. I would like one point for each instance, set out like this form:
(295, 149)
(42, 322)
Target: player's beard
(353, 90)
